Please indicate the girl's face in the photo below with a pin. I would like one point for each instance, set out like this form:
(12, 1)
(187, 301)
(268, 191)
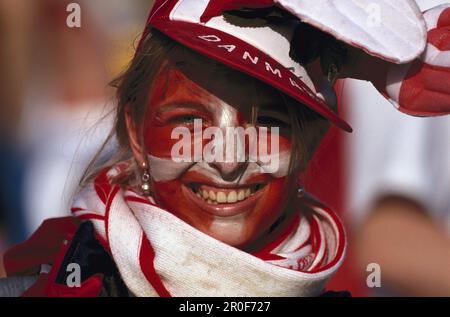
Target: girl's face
(233, 200)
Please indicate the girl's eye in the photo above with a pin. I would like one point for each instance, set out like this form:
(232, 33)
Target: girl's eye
(185, 119)
(268, 121)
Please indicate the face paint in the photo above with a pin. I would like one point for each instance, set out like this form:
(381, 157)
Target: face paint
(235, 202)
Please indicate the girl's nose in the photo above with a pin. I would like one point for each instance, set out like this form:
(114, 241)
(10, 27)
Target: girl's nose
(230, 171)
(234, 160)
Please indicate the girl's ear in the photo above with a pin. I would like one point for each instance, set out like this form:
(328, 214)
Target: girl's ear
(133, 138)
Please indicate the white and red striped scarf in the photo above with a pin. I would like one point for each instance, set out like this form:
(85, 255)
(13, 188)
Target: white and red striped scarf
(158, 254)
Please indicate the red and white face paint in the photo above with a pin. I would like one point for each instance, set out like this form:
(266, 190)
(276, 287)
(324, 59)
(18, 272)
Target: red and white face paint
(233, 201)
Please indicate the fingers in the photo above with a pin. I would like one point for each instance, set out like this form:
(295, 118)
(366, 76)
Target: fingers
(423, 88)
(424, 91)
(438, 17)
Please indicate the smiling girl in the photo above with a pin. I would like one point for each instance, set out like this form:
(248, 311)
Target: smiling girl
(147, 224)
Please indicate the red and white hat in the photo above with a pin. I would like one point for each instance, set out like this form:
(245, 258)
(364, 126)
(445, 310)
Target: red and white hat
(262, 49)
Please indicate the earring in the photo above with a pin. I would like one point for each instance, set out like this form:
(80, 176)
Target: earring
(300, 192)
(145, 180)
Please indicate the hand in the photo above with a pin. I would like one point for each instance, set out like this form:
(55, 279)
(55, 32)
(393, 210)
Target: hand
(422, 88)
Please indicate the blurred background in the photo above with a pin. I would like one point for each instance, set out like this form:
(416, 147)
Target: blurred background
(55, 100)
(389, 180)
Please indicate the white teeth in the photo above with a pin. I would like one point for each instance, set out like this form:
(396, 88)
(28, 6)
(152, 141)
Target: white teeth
(221, 197)
(241, 195)
(232, 197)
(212, 197)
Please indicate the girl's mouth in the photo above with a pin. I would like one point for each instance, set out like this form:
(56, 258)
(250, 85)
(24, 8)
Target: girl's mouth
(224, 202)
(214, 195)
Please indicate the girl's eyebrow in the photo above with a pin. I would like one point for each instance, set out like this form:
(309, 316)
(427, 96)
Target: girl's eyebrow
(280, 115)
(273, 106)
(180, 104)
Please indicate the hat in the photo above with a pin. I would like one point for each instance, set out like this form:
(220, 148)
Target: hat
(257, 37)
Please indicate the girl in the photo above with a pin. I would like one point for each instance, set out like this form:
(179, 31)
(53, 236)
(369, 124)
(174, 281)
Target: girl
(218, 113)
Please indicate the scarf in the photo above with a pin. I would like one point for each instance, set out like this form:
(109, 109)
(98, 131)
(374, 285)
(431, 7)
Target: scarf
(158, 254)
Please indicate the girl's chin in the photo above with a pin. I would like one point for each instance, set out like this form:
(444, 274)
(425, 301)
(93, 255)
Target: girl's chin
(236, 233)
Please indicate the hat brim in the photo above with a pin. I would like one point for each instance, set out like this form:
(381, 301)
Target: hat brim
(240, 55)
